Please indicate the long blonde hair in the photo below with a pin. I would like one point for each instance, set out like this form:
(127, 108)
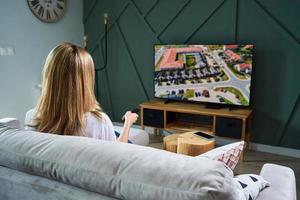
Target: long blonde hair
(67, 91)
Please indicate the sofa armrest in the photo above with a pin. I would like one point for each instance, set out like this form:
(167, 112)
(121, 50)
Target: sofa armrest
(283, 183)
(10, 122)
(136, 135)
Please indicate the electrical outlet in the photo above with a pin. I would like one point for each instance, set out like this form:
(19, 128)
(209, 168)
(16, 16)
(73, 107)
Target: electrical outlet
(7, 51)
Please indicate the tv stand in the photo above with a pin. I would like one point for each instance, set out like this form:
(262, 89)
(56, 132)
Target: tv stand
(233, 108)
(179, 117)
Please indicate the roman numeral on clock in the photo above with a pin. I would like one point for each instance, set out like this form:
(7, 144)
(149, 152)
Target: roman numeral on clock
(48, 14)
(41, 11)
(59, 6)
(55, 13)
(35, 3)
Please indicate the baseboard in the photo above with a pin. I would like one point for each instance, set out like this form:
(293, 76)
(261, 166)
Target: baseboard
(265, 148)
(254, 146)
(276, 150)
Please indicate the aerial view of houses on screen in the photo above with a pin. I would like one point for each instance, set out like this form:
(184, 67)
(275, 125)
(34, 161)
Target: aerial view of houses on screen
(209, 73)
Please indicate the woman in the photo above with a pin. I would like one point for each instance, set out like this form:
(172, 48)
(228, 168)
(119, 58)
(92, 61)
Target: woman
(67, 105)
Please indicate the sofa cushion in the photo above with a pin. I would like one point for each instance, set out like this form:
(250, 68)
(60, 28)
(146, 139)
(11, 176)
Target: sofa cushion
(136, 136)
(10, 122)
(120, 170)
(228, 154)
(17, 185)
(250, 185)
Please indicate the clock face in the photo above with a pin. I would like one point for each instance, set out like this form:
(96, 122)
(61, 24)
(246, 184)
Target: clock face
(47, 10)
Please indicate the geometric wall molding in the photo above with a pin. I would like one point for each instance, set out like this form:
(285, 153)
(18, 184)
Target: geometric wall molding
(135, 25)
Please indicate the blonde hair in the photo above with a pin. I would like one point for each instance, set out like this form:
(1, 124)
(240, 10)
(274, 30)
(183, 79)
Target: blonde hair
(67, 91)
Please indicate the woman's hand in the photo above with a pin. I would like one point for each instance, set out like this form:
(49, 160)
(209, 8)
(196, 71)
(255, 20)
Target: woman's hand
(130, 118)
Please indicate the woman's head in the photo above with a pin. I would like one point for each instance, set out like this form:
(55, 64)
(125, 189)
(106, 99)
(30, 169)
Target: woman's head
(68, 91)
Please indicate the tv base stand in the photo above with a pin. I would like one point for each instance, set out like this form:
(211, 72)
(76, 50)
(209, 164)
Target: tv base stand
(168, 101)
(214, 106)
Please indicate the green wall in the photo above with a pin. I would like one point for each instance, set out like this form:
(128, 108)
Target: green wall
(273, 26)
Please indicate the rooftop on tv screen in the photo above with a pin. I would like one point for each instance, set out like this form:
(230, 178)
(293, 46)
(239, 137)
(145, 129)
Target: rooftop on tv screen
(204, 73)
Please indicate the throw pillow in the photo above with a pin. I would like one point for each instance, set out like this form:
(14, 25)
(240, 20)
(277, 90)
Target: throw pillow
(250, 185)
(228, 154)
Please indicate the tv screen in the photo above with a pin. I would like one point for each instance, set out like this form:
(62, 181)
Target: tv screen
(204, 73)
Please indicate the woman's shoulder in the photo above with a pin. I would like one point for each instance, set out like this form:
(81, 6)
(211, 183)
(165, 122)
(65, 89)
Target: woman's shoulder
(30, 112)
(29, 117)
(91, 118)
(100, 128)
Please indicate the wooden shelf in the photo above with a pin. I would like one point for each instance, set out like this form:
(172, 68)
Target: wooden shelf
(197, 109)
(188, 126)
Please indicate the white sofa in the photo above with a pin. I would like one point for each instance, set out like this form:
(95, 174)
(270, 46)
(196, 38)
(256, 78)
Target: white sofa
(283, 183)
(46, 166)
(136, 136)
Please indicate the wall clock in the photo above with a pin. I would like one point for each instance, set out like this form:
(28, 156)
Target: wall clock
(47, 10)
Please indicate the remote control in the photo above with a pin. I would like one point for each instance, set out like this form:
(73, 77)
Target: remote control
(204, 135)
(135, 110)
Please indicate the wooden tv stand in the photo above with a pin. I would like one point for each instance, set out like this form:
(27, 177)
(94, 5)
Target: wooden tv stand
(172, 117)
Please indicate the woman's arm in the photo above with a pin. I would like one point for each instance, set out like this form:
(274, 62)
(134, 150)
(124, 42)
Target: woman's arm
(130, 119)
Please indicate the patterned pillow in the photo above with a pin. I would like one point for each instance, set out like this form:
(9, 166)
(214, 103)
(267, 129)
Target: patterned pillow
(228, 154)
(250, 185)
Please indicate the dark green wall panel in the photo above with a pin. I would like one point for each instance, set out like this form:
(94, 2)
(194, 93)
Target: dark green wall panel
(162, 14)
(273, 26)
(218, 27)
(101, 82)
(88, 6)
(93, 24)
(143, 6)
(125, 86)
(103, 90)
(97, 57)
(188, 20)
(293, 130)
(275, 87)
(136, 35)
(287, 13)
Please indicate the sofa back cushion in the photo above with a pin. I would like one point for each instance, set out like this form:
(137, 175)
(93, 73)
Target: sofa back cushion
(10, 122)
(119, 170)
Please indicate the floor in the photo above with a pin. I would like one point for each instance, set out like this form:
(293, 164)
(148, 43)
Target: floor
(254, 160)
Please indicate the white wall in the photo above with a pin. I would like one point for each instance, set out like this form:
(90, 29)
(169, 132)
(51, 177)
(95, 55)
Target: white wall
(32, 40)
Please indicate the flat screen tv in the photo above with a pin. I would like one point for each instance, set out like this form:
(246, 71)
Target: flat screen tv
(204, 73)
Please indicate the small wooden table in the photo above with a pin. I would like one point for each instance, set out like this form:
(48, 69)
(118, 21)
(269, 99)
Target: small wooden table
(187, 143)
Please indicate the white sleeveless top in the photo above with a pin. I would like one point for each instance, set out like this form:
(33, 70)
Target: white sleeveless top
(101, 129)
